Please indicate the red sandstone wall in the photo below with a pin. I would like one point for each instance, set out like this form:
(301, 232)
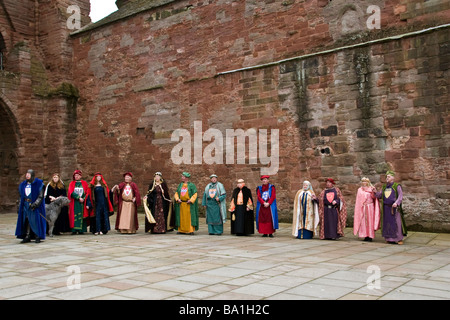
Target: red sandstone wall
(35, 96)
(346, 114)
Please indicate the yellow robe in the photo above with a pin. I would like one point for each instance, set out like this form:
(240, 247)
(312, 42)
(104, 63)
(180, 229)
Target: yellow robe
(185, 210)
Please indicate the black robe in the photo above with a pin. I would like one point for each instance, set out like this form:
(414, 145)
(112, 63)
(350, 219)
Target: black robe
(151, 202)
(243, 223)
(62, 224)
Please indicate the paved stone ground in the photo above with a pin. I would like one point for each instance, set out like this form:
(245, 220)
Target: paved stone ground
(200, 267)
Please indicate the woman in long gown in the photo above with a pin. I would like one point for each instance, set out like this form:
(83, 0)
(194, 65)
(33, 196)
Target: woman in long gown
(367, 211)
(128, 198)
(159, 205)
(99, 200)
(306, 213)
(56, 188)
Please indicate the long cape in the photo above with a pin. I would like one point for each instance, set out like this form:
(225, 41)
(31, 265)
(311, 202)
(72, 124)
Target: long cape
(91, 197)
(312, 214)
(273, 207)
(72, 201)
(39, 212)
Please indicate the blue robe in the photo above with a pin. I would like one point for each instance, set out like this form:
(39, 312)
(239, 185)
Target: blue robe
(36, 217)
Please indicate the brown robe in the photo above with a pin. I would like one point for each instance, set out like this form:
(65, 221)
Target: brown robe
(118, 200)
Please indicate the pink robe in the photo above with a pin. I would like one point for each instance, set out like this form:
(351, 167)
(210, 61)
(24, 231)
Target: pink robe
(367, 213)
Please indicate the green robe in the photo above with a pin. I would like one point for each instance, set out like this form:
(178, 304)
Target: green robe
(79, 221)
(215, 211)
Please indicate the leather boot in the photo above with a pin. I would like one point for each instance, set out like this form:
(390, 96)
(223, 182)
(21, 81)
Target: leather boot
(26, 239)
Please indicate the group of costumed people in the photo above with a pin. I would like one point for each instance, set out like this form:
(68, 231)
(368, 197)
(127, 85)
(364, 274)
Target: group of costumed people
(327, 213)
(91, 204)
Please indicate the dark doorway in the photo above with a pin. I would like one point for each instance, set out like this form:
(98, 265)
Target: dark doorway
(9, 170)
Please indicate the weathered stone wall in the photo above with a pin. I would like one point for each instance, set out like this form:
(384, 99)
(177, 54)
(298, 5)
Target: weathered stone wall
(379, 107)
(37, 99)
(345, 113)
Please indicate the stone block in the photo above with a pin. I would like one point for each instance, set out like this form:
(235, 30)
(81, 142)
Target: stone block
(329, 131)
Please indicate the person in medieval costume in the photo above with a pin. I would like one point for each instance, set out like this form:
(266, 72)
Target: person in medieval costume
(128, 199)
(55, 189)
(266, 208)
(241, 209)
(99, 201)
(393, 227)
(78, 213)
(332, 212)
(158, 206)
(31, 221)
(366, 219)
(214, 202)
(305, 219)
(186, 206)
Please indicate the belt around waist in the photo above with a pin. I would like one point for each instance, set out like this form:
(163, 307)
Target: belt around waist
(127, 200)
(28, 200)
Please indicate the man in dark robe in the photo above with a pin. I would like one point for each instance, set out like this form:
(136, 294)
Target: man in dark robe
(31, 221)
(241, 209)
(332, 212)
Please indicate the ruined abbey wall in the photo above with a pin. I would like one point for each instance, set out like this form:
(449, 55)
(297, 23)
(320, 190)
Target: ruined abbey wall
(345, 88)
(37, 98)
(346, 100)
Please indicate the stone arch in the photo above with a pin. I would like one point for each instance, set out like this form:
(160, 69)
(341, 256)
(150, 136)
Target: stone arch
(9, 156)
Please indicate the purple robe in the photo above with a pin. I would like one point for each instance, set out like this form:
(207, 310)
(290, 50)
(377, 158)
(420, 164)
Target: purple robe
(392, 223)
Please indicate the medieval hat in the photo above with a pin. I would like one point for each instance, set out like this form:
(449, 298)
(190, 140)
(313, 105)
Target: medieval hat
(76, 172)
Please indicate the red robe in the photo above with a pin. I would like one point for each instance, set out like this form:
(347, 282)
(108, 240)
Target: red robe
(118, 200)
(72, 201)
